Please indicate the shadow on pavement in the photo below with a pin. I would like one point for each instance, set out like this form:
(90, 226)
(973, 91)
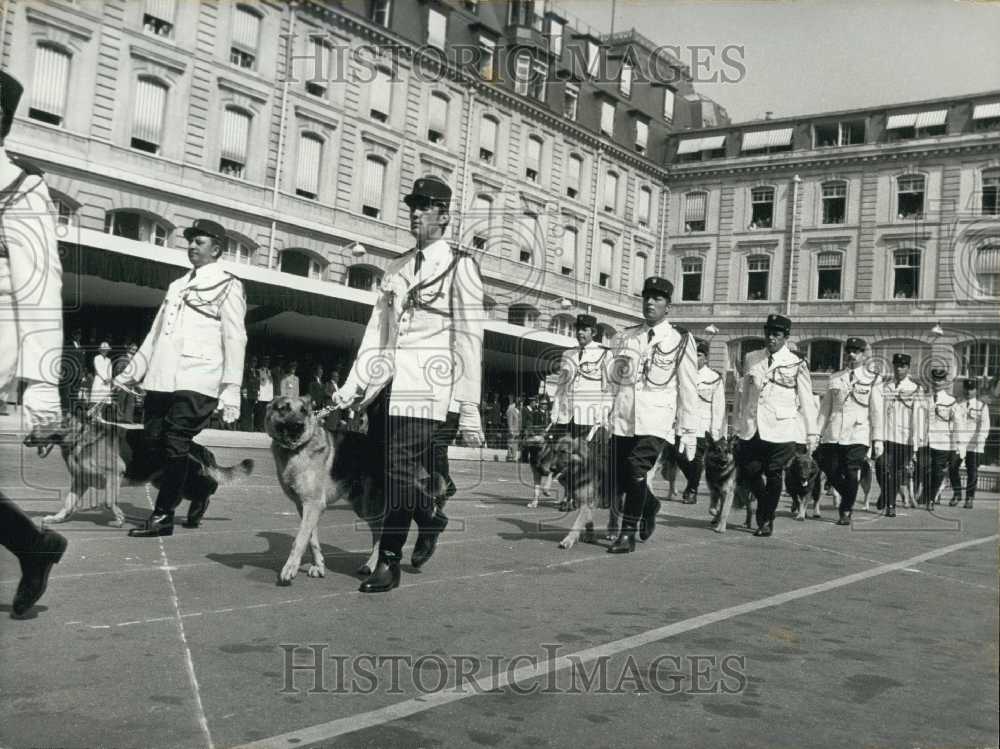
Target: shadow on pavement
(337, 560)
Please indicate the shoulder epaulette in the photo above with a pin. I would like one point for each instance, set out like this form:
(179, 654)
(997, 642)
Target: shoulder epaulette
(681, 330)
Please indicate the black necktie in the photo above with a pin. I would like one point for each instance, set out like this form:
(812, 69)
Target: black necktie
(193, 272)
(579, 355)
(850, 379)
(649, 335)
(418, 261)
(770, 361)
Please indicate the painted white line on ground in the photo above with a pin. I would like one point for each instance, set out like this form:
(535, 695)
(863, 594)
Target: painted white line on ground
(353, 723)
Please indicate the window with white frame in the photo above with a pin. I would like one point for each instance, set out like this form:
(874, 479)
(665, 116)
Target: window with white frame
(845, 133)
(299, 263)
(910, 196)
(695, 206)
(610, 192)
(988, 267)
(536, 82)
(639, 272)
(533, 158)
(380, 12)
(488, 139)
(522, 314)
(437, 28)
(593, 58)
(574, 170)
(641, 136)
(481, 220)
(834, 202)
(238, 251)
(364, 277)
(522, 72)
(829, 269)
(49, 85)
(567, 260)
(555, 37)
(668, 105)
(158, 17)
(906, 274)
(487, 58)
(380, 95)
(608, 118)
(823, 355)
(147, 115)
(235, 140)
(644, 205)
(762, 208)
(246, 37)
(571, 101)
(437, 118)
(691, 272)
(758, 274)
(625, 78)
(138, 226)
(990, 201)
(979, 359)
(310, 156)
(605, 263)
(374, 187)
(64, 209)
(563, 325)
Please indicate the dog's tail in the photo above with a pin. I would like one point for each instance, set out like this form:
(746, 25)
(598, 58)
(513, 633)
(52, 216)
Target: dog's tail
(228, 474)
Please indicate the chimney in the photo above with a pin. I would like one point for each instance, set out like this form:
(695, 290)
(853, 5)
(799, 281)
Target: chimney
(768, 115)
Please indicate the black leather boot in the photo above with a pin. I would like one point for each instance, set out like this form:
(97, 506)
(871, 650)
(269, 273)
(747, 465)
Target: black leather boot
(427, 540)
(968, 502)
(196, 512)
(386, 574)
(36, 564)
(690, 497)
(159, 524)
(890, 512)
(765, 530)
(844, 519)
(624, 544)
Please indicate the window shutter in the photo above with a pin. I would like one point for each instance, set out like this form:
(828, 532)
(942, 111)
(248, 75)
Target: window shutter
(380, 92)
(310, 155)
(150, 100)
(606, 260)
(374, 182)
(568, 259)
(235, 135)
(488, 135)
(611, 190)
(438, 116)
(645, 199)
(641, 134)
(246, 29)
(694, 208)
(534, 159)
(49, 81)
(162, 9)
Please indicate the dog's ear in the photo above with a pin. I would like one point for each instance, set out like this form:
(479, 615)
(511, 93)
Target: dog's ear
(709, 442)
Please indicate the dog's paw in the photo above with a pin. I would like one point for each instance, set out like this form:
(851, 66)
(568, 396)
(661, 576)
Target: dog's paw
(116, 523)
(316, 570)
(53, 519)
(288, 573)
(719, 527)
(567, 543)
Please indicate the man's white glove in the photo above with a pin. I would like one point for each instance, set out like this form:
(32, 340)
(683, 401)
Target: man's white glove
(470, 425)
(344, 399)
(689, 443)
(878, 447)
(229, 399)
(122, 382)
(812, 442)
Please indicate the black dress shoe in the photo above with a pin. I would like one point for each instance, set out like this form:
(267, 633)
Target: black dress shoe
(159, 524)
(765, 530)
(624, 544)
(954, 501)
(386, 575)
(648, 524)
(35, 568)
(427, 540)
(968, 504)
(844, 519)
(690, 497)
(196, 512)
(890, 512)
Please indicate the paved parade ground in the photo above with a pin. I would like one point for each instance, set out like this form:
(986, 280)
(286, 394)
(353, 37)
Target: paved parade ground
(879, 635)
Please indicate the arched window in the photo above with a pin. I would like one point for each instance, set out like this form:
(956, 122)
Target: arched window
(310, 156)
(489, 306)
(563, 325)
(64, 208)
(239, 250)
(147, 115)
(522, 314)
(374, 186)
(988, 267)
(49, 84)
(299, 263)
(979, 358)
(739, 350)
(137, 225)
(365, 277)
(823, 355)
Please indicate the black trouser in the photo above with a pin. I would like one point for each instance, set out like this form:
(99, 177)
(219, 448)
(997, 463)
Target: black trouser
(259, 410)
(890, 470)
(18, 533)
(760, 466)
(692, 469)
(172, 420)
(635, 457)
(444, 434)
(842, 465)
(403, 447)
(933, 464)
(971, 475)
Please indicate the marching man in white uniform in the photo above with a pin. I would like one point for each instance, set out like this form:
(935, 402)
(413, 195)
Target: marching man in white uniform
(902, 400)
(583, 395)
(940, 437)
(775, 402)
(711, 409)
(654, 376)
(973, 428)
(30, 339)
(422, 350)
(190, 364)
(850, 424)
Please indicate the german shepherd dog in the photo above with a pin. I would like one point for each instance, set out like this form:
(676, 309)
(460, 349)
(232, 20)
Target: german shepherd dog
(720, 476)
(104, 456)
(801, 476)
(317, 467)
(579, 466)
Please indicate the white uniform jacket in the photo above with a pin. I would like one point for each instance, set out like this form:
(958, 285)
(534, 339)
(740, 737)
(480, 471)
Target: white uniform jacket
(654, 383)
(973, 425)
(852, 411)
(941, 421)
(903, 403)
(425, 335)
(31, 304)
(583, 394)
(198, 339)
(777, 399)
(711, 404)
